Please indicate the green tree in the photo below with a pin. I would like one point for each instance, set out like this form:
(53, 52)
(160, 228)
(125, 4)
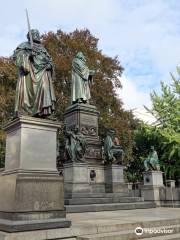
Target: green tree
(166, 109)
(8, 74)
(165, 135)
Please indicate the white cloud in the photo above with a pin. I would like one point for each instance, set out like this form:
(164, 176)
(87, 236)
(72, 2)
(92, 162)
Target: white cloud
(131, 96)
(134, 99)
(144, 115)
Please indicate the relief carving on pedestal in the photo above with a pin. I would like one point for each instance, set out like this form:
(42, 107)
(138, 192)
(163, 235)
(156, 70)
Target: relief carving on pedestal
(88, 130)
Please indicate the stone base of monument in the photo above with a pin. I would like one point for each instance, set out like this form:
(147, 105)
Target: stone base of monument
(88, 176)
(153, 182)
(92, 186)
(153, 178)
(96, 178)
(76, 178)
(31, 190)
(31, 200)
(114, 179)
(170, 183)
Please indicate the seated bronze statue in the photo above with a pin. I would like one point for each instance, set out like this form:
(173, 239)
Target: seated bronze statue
(151, 163)
(113, 153)
(75, 146)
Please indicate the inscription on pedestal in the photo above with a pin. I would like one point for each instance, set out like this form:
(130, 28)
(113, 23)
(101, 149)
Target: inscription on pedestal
(71, 120)
(88, 120)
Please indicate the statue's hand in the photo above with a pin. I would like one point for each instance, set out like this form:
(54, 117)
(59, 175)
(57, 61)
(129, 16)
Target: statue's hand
(33, 52)
(49, 67)
(92, 72)
(24, 70)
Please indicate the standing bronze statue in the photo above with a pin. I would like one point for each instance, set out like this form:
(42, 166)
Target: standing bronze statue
(34, 92)
(81, 76)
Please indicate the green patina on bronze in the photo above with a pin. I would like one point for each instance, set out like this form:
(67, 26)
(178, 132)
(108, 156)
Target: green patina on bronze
(34, 92)
(75, 146)
(112, 153)
(152, 161)
(81, 76)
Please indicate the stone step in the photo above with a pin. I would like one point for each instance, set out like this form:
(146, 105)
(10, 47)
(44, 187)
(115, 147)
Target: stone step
(108, 207)
(78, 201)
(170, 204)
(167, 237)
(97, 195)
(131, 235)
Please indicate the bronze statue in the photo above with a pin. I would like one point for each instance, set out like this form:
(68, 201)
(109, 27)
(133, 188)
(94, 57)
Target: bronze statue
(34, 92)
(75, 145)
(113, 153)
(152, 162)
(81, 76)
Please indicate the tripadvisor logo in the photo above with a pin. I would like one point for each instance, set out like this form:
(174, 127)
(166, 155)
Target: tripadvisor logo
(139, 231)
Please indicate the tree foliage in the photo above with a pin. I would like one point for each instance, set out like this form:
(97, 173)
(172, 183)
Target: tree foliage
(165, 135)
(166, 109)
(8, 74)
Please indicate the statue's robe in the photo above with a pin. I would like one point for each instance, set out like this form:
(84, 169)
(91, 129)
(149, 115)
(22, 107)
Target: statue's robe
(80, 91)
(152, 162)
(112, 152)
(34, 91)
(75, 146)
(108, 145)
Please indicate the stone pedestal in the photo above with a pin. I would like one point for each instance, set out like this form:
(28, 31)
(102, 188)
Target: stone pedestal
(84, 116)
(76, 178)
(96, 178)
(153, 182)
(170, 183)
(114, 178)
(153, 178)
(31, 191)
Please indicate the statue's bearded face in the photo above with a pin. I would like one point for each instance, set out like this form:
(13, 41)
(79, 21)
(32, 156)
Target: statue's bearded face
(81, 56)
(35, 35)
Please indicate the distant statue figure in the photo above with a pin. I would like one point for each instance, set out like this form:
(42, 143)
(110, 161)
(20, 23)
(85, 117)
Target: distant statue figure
(113, 153)
(34, 92)
(75, 146)
(81, 76)
(152, 162)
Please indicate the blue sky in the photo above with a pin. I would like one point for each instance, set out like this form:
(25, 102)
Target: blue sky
(145, 34)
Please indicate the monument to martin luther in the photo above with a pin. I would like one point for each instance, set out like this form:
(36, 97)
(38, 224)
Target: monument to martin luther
(92, 172)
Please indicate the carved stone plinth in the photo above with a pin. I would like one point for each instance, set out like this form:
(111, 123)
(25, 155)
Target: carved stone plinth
(114, 178)
(153, 182)
(76, 178)
(170, 183)
(31, 191)
(85, 117)
(153, 178)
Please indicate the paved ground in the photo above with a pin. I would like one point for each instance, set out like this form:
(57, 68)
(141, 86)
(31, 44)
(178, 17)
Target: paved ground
(111, 223)
(123, 216)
